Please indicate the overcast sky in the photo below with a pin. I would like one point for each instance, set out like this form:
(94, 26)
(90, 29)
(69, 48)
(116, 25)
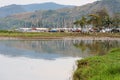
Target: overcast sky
(68, 2)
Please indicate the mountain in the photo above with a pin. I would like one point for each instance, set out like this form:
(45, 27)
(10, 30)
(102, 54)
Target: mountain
(14, 9)
(44, 6)
(60, 17)
(11, 9)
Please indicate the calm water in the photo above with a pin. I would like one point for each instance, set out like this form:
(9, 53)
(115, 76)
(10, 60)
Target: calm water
(46, 59)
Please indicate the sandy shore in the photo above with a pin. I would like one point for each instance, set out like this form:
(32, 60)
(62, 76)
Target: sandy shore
(59, 38)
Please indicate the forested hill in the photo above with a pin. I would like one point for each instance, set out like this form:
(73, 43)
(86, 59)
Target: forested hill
(53, 18)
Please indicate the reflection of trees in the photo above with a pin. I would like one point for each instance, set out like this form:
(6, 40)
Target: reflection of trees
(97, 47)
(81, 45)
(59, 47)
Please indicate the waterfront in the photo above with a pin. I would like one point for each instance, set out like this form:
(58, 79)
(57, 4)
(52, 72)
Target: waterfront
(46, 59)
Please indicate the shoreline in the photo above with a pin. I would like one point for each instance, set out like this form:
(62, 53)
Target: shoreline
(59, 38)
(88, 68)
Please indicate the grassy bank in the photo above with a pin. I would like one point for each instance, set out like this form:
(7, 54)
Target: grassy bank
(105, 67)
(55, 34)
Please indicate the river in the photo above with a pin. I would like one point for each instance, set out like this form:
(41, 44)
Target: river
(47, 59)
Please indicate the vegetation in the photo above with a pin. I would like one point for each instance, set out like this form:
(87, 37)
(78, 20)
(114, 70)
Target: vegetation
(4, 33)
(56, 18)
(105, 67)
(100, 19)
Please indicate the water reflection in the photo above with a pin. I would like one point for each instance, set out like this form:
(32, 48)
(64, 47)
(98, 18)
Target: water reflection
(52, 49)
(45, 49)
(46, 59)
(99, 47)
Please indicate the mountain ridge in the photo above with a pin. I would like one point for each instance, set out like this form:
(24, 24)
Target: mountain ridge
(61, 17)
(14, 9)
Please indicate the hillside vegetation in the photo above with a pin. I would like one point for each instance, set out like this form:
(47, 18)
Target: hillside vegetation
(61, 17)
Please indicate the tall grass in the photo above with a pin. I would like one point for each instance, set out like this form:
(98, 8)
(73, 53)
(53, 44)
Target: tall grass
(99, 67)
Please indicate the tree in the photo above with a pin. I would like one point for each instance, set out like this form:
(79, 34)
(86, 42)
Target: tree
(82, 22)
(94, 20)
(107, 22)
(116, 20)
(99, 20)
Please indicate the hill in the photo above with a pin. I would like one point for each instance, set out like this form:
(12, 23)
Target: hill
(11, 9)
(44, 6)
(14, 9)
(61, 17)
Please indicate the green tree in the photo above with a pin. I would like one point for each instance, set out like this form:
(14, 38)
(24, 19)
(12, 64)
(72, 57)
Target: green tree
(94, 20)
(116, 20)
(107, 22)
(82, 22)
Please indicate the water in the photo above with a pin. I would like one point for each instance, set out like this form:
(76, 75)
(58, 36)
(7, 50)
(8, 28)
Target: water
(46, 59)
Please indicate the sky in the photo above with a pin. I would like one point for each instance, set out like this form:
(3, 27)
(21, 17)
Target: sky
(66, 2)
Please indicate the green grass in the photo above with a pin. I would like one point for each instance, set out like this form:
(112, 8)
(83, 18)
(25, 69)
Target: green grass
(105, 67)
(32, 34)
(55, 34)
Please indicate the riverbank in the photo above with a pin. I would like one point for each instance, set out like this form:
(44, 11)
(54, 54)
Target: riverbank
(58, 35)
(105, 67)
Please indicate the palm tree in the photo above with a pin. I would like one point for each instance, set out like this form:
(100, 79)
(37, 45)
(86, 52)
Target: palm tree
(107, 22)
(81, 23)
(116, 20)
(77, 23)
(94, 20)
